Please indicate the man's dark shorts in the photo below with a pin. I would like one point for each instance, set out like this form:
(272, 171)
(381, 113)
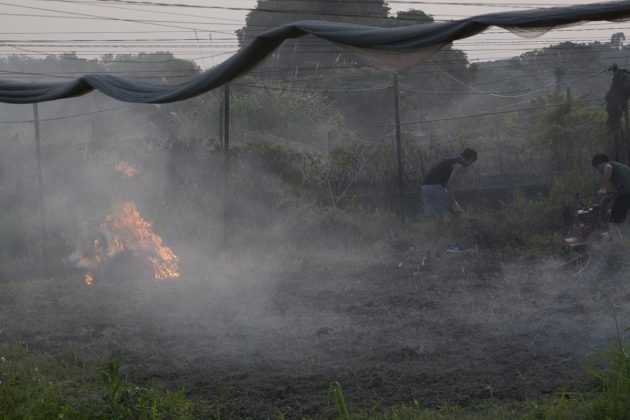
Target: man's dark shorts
(619, 209)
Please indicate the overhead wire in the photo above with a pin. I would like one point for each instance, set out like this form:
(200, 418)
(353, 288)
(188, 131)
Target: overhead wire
(488, 114)
(21, 47)
(286, 11)
(538, 53)
(417, 71)
(83, 114)
(305, 90)
(133, 20)
(344, 2)
(378, 125)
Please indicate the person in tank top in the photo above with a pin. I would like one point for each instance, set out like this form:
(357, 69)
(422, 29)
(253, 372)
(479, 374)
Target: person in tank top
(438, 197)
(615, 177)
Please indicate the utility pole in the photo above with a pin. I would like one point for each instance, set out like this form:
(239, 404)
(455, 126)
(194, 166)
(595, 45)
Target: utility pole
(40, 188)
(40, 183)
(399, 149)
(226, 162)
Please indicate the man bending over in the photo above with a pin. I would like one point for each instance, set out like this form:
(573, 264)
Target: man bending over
(438, 196)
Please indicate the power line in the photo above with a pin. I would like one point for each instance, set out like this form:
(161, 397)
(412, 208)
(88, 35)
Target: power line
(304, 41)
(377, 16)
(78, 15)
(360, 2)
(69, 116)
(284, 69)
(347, 90)
(110, 61)
(282, 11)
(330, 89)
(382, 125)
(488, 114)
(605, 26)
(540, 53)
(170, 13)
(312, 50)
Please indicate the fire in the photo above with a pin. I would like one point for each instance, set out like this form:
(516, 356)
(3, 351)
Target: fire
(127, 231)
(89, 279)
(125, 169)
(131, 232)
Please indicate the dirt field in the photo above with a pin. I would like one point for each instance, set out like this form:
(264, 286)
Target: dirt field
(254, 336)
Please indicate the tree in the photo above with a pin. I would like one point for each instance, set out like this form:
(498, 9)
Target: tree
(152, 67)
(568, 131)
(446, 70)
(307, 52)
(616, 40)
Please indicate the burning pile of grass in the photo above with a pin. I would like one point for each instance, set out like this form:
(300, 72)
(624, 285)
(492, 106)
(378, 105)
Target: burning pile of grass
(126, 231)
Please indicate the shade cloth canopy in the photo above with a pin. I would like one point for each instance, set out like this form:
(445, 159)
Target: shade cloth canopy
(392, 48)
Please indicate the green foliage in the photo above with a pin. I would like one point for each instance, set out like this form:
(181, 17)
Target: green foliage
(533, 225)
(300, 117)
(112, 381)
(123, 400)
(564, 406)
(260, 20)
(200, 118)
(35, 387)
(568, 132)
(337, 396)
(562, 58)
(612, 369)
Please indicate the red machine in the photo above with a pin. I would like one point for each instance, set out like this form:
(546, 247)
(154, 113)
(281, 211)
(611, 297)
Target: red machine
(588, 219)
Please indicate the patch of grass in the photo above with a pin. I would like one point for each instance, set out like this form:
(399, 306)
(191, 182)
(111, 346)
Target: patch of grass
(561, 407)
(611, 400)
(612, 368)
(33, 386)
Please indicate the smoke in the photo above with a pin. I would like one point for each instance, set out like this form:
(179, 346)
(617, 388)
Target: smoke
(290, 302)
(278, 293)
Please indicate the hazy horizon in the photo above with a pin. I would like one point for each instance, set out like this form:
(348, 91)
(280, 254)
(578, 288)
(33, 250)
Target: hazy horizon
(206, 34)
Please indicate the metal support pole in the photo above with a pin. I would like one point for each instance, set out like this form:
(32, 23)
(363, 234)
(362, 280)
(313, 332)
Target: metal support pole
(40, 183)
(226, 162)
(399, 149)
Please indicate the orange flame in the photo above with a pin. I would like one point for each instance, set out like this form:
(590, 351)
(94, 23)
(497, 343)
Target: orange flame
(125, 169)
(132, 233)
(128, 231)
(89, 279)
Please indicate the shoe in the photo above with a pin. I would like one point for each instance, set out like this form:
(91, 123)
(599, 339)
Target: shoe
(454, 248)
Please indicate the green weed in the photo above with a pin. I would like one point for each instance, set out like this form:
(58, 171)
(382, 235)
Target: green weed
(612, 368)
(35, 387)
(340, 401)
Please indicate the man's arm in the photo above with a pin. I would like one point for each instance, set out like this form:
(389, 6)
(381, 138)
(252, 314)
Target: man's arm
(450, 185)
(607, 171)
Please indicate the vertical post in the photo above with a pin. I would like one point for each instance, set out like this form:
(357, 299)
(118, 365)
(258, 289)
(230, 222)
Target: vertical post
(226, 119)
(570, 149)
(226, 162)
(399, 149)
(499, 146)
(617, 135)
(40, 184)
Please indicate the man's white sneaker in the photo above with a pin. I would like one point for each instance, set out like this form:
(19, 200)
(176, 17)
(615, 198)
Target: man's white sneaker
(454, 248)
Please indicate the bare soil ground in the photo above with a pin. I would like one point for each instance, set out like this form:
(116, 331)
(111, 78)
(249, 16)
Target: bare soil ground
(253, 338)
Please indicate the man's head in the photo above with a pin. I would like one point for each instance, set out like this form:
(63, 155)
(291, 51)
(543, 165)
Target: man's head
(469, 156)
(599, 158)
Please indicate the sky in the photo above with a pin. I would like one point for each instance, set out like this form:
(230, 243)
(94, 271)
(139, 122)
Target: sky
(205, 34)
